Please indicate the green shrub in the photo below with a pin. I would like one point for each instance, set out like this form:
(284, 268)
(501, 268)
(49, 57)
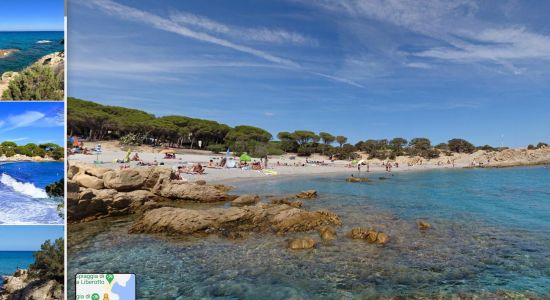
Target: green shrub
(35, 83)
(56, 189)
(130, 140)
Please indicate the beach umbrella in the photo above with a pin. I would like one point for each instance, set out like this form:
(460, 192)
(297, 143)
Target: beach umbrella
(361, 161)
(167, 151)
(227, 154)
(354, 161)
(245, 157)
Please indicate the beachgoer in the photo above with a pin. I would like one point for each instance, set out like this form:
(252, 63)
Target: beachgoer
(197, 168)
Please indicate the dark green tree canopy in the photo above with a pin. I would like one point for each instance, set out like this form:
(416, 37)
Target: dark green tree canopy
(460, 146)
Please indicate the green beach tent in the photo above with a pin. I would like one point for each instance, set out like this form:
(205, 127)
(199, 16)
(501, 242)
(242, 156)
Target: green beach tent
(245, 157)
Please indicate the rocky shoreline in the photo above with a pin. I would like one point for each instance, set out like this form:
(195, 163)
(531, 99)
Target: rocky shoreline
(150, 193)
(56, 61)
(21, 286)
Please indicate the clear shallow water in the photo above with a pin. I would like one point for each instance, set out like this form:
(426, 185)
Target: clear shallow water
(11, 260)
(31, 45)
(491, 231)
(23, 199)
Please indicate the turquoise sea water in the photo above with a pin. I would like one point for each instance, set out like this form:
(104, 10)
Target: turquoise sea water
(31, 45)
(490, 232)
(11, 260)
(22, 195)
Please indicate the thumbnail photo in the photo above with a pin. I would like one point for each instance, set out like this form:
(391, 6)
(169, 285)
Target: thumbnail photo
(31, 163)
(32, 262)
(32, 50)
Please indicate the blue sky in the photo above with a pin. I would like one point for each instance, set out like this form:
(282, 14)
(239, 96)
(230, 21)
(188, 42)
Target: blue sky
(32, 122)
(365, 69)
(32, 15)
(27, 237)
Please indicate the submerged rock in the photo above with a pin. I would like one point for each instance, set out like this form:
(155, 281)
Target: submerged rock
(357, 179)
(246, 200)
(422, 225)
(300, 244)
(259, 218)
(327, 233)
(370, 235)
(296, 204)
(309, 194)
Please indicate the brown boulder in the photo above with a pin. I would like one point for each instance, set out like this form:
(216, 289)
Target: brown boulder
(370, 235)
(88, 181)
(382, 238)
(245, 200)
(96, 171)
(296, 204)
(261, 218)
(422, 225)
(327, 233)
(193, 192)
(300, 244)
(124, 180)
(72, 170)
(93, 204)
(357, 179)
(309, 194)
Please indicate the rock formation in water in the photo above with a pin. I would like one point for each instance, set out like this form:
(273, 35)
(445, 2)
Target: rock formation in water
(309, 194)
(357, 179)
(370, 235)
(274, 218)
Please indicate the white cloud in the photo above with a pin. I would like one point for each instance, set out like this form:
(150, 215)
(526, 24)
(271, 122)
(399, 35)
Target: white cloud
(169, 25)
(30, 119)
(261, 34)
(161, 23)
(496, 44)
(464, 36)
(25, 119)
(268, 114)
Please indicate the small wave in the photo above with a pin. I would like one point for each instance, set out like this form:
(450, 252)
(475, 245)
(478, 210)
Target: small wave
(43, 42)
(25, 188)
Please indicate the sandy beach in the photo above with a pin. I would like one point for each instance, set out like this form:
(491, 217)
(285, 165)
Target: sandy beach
(292, 165)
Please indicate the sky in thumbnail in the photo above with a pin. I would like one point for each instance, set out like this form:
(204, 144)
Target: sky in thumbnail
(27, 237)
(32, 15)
(365, 69)
(32, 122)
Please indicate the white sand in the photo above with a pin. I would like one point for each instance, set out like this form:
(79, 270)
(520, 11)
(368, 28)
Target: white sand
(298, 166)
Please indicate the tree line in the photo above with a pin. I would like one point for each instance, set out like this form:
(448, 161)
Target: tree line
(52, 150)
(134, 127)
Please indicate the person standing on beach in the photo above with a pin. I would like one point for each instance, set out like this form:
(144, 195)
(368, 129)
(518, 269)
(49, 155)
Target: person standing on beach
(368, 167)
(265, 161)
(359, 168)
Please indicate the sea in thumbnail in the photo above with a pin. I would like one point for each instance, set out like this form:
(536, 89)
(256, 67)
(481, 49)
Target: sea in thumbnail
(23, 197)
(25, 48)
(10, 261)
(489, 234)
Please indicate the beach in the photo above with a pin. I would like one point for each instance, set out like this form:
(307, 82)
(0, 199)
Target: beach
(292, 165)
